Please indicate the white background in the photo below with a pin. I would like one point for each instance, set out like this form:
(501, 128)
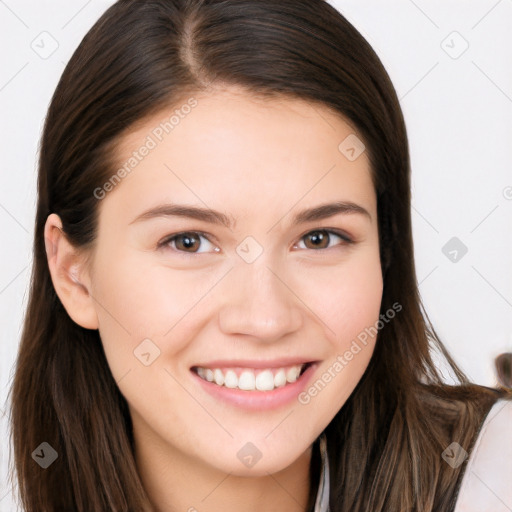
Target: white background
(458, 113)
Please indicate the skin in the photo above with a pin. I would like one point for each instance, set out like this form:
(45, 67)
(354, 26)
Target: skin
(259, 162)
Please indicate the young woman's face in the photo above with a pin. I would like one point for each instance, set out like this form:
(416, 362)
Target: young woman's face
(213, 252)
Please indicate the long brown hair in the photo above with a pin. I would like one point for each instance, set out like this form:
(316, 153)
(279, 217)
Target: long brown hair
(385, 443)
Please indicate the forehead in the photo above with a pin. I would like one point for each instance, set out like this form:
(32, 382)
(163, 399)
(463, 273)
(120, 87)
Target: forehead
(230, 146)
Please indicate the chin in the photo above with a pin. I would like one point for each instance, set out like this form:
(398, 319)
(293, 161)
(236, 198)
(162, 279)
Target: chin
(254, 460)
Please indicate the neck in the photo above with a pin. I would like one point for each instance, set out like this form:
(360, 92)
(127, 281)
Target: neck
(175, 482)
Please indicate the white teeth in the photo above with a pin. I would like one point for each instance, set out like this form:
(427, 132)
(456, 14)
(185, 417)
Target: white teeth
(231, 380)
(292, 374)
(218, 376)
(280, 379)
(265, 380)
(247, 381)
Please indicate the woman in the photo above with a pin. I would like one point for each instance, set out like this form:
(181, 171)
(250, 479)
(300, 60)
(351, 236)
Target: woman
(224, 310)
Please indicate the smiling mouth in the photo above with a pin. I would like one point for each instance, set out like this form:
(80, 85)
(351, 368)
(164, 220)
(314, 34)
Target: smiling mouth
(250, 379)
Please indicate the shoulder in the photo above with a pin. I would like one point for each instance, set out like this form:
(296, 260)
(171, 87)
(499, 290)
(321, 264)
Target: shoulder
(486, 485)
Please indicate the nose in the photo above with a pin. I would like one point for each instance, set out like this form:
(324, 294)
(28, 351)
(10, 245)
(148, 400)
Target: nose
(259, 302)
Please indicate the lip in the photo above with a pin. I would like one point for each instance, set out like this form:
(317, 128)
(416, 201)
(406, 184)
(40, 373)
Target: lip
(258, 400)
(253, 363)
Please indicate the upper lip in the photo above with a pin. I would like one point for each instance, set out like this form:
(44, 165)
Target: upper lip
(255, 363)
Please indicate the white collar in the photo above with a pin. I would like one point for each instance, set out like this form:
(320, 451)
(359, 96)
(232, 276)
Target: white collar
(490, 464)
(322, 497)
(486, 481)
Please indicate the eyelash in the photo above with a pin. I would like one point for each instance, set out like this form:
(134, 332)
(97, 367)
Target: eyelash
(165, 242)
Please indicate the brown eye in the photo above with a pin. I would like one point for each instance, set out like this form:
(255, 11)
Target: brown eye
(321, 238)
(188, 242)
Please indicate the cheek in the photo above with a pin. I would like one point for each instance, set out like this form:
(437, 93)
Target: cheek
(139, 301)
(136, 303)
(146, 300)
(347, 298)
(348, 302)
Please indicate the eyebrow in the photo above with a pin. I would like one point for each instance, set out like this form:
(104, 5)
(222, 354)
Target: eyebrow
(316, 213)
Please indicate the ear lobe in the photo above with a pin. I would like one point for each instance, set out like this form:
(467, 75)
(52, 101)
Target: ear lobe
(69, 274)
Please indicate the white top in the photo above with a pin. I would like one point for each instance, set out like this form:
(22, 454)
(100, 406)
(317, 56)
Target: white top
(487, 482)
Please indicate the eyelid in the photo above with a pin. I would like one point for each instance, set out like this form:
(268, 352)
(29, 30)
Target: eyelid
(345, 237)
(166, 240)
(336, 231)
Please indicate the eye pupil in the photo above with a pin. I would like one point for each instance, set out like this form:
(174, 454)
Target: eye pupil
(317, 237)
(188, 241)
(191, 241)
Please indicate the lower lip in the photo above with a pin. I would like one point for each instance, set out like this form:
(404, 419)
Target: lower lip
(259, 400)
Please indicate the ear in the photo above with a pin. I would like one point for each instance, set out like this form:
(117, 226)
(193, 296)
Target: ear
(69, 274)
